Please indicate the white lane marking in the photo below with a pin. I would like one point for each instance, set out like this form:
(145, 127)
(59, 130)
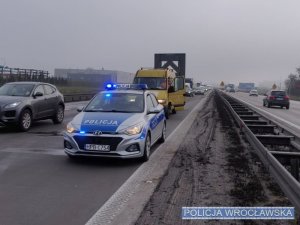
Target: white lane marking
(5, 162)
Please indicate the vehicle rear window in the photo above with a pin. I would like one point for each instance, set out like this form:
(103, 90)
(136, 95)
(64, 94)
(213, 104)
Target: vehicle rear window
(278, 93)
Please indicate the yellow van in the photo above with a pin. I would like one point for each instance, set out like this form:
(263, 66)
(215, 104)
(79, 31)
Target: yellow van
(168, 88)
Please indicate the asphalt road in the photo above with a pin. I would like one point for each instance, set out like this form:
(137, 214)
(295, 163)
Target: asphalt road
(40, 185)
(292, 115)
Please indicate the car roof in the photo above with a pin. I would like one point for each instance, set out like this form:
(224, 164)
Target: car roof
(279, 90)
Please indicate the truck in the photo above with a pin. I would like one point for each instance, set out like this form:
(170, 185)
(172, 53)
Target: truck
(190, 81)
(230, 88)
(246, 87)
(168, 88)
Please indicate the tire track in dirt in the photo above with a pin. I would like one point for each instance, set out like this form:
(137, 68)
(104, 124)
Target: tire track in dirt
(213, 167)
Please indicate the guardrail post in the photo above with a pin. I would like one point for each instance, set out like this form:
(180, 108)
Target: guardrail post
(295, 168)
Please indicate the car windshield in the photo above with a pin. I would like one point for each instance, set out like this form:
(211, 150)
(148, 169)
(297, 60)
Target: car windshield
(16, 89)
(116, 102)
(154, 83)
(278, 93)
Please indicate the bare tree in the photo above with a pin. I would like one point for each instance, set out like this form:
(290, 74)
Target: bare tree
(298, 71)
(292, 76)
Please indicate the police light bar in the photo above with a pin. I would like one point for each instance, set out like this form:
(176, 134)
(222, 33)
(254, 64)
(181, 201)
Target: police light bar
(126, 86)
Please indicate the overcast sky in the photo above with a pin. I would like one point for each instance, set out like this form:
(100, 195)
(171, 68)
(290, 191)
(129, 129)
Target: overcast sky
(229, 40)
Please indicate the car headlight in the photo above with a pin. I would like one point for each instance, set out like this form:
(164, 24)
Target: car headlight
(161, 101)
(12, 105)
(133, 130)
(71, 128)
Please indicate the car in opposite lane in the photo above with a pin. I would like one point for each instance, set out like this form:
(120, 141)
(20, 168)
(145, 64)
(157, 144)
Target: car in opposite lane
(117, 123)
(23, 102)
(276, 98)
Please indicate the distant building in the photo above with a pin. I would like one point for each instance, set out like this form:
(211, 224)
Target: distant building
(98, 77)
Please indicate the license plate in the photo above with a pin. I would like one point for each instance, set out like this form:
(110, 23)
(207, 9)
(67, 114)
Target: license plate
(279, 98)
(92, 147)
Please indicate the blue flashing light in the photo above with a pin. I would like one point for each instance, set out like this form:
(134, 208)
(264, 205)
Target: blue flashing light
(107, 95)
(82, 132)
(110, 86)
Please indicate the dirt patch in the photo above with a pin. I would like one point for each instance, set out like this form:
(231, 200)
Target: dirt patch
(214, 166)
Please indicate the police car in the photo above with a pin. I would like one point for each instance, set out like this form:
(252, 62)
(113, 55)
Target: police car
(123, 121)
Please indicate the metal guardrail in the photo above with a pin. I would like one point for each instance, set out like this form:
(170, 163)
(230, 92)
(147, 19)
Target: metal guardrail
(288, 183)
(78, 97)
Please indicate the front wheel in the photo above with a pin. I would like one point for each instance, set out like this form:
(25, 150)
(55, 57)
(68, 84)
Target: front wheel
(163, 134)
(174, 111)
(147, 148)
(25, 120)
(59, 115)
(287, 107)
(167, 113)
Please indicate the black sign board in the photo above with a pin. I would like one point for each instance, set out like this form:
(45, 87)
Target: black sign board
(175, 61)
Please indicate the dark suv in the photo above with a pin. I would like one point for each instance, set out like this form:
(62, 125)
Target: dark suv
(276, 98)
(23, 102)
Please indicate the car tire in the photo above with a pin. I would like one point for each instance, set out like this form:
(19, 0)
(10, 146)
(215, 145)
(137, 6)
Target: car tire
(74, 158)
(71, 157)
(147, 148)
(25, 120)
(268, 105)
(163, 134)
(59, 115)
(174, 111)
(167, 114)
(287, 107)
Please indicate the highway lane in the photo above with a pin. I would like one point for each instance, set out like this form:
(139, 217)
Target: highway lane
(292, 115)
(40, 185)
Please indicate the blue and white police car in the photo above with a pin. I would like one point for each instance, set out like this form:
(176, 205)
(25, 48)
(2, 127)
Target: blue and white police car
(123, 121)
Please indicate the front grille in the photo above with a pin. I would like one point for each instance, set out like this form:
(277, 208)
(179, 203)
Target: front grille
(11, 113)
(112, 141)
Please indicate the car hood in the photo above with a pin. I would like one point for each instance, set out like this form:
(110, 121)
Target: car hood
(4, 100)
(105, 122)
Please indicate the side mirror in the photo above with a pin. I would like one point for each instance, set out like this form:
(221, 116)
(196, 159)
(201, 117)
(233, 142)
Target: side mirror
(153, 111)
(80, 108)
(38, 94)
